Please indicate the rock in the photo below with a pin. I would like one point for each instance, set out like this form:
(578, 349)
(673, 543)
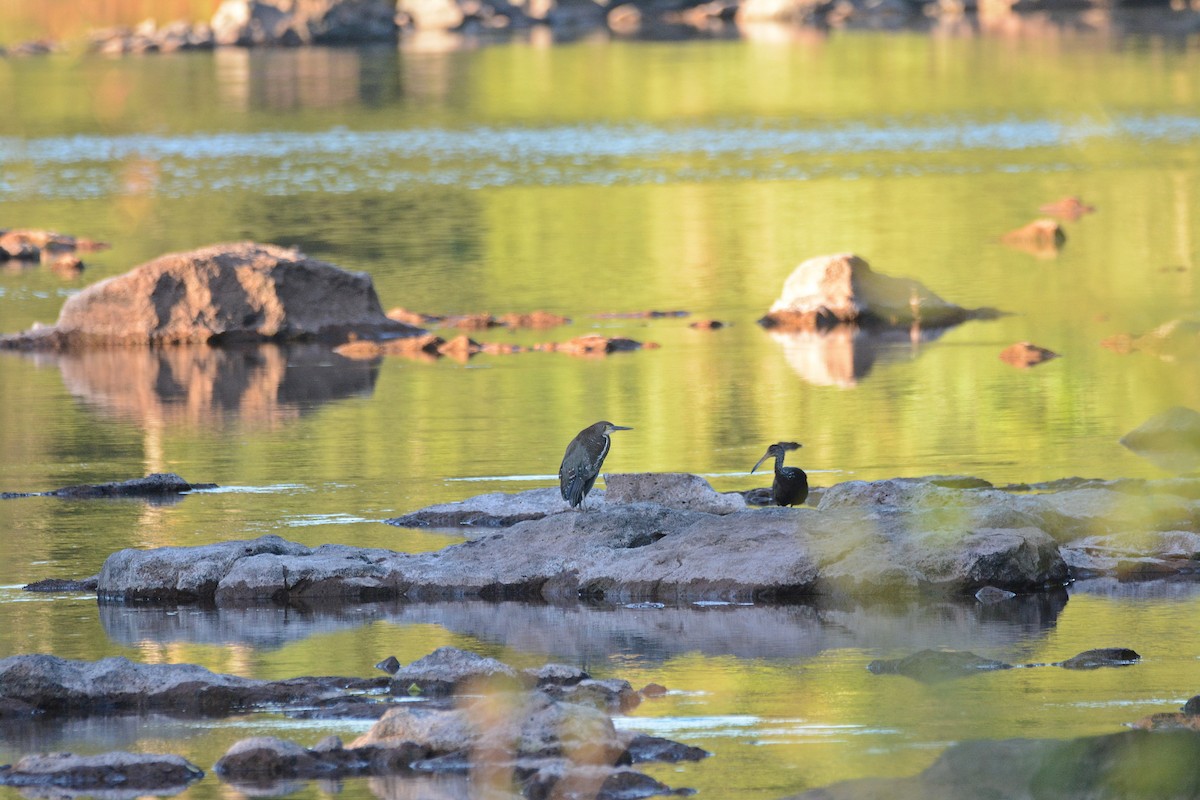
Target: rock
(1042, 237)
(594, 345)
(259, 22)
(63, 585)
(151, 486)
(1168, 721)
(534, 319)
(493, 510)
(678, 490)
(645, 748)
(262, 760)
(449, 670)
(843, 289)
(1192, 706)
(1026, 354)
(708, 325)
(651, 314)
(56, 687)
(1170, 440)
(1129, 764)
(414, 318)
(1103, 657)
(221, 294)
(557, 675)
(132, 773)
(1070, 208)
(930, 666)
(389, 665)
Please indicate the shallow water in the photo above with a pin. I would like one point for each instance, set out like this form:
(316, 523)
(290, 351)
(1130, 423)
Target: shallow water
(680, 176)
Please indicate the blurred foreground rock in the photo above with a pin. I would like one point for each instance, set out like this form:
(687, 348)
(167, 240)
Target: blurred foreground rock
(222, 294)
(1131, 764)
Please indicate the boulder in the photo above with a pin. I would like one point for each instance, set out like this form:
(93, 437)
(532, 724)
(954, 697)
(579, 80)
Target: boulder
(843, 289)
(276, 22)
(1101, 657)
(130, 773)
(449, 670)
(221, 294)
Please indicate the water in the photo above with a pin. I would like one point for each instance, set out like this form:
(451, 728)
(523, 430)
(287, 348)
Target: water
(586, 179)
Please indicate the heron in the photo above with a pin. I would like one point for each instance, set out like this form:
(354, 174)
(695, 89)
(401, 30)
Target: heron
(581, 463)
(790, 487)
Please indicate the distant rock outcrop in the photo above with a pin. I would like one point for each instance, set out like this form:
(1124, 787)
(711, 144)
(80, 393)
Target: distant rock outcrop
(221, 294)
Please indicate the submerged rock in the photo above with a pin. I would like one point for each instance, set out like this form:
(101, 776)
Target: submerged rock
(130, 773)
(843, 289)
(936, 665)
(219, 295)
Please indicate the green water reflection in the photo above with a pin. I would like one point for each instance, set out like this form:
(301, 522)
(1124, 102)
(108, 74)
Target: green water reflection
(551, 198)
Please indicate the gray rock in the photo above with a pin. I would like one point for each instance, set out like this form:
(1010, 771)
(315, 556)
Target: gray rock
(130, 773)
(448, 670)
(221, 294)
(862, 540)
(157, 485)
(1102, 657)
(54, 686)
(679, 490)
(493, 510)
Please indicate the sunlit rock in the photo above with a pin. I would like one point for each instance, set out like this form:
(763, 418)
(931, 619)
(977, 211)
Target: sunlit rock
(65, 774)
(1026, 354)
(274, 22)
(843, 289)
(1170, 440)
(679, 490)
(223, 294)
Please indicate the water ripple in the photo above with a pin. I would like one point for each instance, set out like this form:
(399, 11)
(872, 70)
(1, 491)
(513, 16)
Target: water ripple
(341, 160)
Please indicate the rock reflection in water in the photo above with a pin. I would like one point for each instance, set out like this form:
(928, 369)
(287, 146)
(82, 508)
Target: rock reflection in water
(587, 635)
(261, 386)
(843, 354)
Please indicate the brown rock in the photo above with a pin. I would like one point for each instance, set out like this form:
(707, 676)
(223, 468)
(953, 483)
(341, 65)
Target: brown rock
(594, 344)
(708, 325)
(225, 293)
(472, 322)
(1025, 354)
(1042, 237)
(1070, 207)
(415, 318)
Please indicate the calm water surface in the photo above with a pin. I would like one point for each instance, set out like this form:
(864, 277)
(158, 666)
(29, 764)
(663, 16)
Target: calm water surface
(587, 179)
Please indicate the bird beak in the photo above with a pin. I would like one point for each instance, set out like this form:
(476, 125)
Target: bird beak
(618, 428)
(759, 464)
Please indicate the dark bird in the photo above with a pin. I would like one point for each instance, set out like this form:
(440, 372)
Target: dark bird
(581, 463)
(790, 487)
